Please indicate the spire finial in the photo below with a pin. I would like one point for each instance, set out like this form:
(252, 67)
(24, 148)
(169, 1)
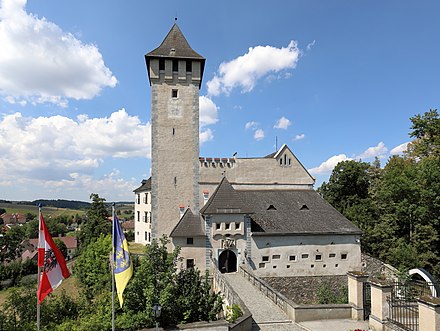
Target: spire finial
(175, 19)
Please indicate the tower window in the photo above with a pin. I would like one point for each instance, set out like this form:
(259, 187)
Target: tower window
(188, 66)
(174, 93)
(175, 65)
(174, 131)
(161, 64)
(189, 241)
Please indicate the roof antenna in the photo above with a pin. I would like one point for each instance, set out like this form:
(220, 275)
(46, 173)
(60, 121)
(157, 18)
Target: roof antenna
(276, 143)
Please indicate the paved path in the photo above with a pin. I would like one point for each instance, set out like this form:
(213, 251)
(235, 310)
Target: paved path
(265, 314)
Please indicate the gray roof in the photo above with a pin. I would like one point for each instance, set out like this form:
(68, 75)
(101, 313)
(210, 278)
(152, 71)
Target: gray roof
(294, 212)
(145, 186)
(225, 200)
(190, 225)
(175, 46)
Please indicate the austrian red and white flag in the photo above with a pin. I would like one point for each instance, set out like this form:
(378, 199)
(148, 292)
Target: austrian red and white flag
(52, 261)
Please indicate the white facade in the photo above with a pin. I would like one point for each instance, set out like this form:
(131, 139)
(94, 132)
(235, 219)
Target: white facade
(142, 216)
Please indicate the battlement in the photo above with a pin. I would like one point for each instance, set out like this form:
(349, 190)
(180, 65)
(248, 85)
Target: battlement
(217, 162)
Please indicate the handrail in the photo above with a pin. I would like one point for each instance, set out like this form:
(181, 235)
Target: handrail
(277, 298)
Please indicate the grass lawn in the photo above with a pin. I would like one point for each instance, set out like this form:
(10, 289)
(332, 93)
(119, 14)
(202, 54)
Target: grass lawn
(136, 248)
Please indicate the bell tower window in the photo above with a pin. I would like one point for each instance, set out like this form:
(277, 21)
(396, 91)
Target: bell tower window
(188, 66)
(161, 64)
(175, 65)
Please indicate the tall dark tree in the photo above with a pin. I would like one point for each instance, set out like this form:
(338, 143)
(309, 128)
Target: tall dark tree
(97, 222)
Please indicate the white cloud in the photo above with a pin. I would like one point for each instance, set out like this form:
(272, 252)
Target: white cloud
(205, 135)
(299, 137)
(399, 149)
(251, 125)
(40, 63)
(208, 111)
(282, 123)
(327, 166)
(53, 148)
(244, 71)
(310, 45)
(380, 150)
(259, 134)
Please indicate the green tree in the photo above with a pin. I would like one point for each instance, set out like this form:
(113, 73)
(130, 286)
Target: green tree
(62, 246)
(10, 242)
(185, 296)
(348, 184)
(426, 131)
(96, 222)
(92, 267)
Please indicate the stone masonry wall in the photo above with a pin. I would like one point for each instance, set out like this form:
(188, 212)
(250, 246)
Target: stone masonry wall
(303, 290)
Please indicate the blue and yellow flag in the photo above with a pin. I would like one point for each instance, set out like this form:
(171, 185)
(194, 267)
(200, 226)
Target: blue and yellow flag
(123, 268)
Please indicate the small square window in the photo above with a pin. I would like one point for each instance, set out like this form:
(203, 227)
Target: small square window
(274, 267)
(237, 225)
(265, 258)
(227, 226)
(343, 256)
(336, 265)
(292, 258)
(312, 266)
(332, 255)
(276, 257)
(304, 256)
(174, 93)
(288, 266)
(217, 226)
(189, 263)
(262, 265)
(318, 257)
(189, 241)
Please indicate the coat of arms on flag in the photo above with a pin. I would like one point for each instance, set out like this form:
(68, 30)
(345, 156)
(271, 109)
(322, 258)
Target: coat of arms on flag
(52, 262)
(122, 266)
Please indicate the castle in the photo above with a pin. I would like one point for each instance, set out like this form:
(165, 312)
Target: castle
(260, 211)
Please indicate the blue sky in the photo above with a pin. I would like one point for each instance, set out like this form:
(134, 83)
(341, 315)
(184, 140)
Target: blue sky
(334, 80)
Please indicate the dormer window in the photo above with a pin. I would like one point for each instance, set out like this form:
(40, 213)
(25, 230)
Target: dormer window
(271, 207)
(304, 207)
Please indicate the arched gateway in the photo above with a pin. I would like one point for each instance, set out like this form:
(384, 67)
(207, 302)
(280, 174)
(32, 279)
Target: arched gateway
(227, 261)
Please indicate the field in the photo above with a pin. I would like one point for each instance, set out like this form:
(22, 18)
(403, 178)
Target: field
(12, 208)
(69, 285)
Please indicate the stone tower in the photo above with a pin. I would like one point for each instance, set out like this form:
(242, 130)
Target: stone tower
(175, 73)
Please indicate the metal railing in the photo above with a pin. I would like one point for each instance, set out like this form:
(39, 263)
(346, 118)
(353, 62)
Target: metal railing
(264, 288)
(404, 309)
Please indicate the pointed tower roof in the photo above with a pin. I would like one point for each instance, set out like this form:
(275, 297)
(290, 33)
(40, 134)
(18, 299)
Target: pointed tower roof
(225, 200)
(190, 225)
(175, 46)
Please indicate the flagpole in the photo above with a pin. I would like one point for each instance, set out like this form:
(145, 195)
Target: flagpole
(113, 267)
(38, 269)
